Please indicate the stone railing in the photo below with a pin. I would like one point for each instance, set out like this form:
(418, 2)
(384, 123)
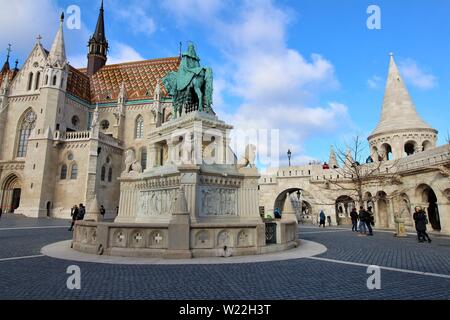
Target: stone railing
(434, 157)
(77, 135)
(85, 136)
(110, 140)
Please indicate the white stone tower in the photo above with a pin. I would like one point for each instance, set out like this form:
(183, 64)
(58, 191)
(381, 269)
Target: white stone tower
(42, 156)
(401, 131)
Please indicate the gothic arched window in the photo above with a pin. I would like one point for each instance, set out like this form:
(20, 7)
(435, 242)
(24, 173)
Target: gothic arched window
(30, 81)
(139, 128)
(38, 80)
(55, 80)
(110, 173)
(27, 125)
(74, 172)
(63, 172)
(102, 177)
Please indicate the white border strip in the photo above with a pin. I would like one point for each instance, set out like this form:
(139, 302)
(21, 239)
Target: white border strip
(446, 276)
(21, 258)
(29, 228)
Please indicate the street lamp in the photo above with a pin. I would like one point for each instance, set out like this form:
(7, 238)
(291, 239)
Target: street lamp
(289, 154)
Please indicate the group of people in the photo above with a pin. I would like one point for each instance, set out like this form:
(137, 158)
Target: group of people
(365, 218)
(78, 212)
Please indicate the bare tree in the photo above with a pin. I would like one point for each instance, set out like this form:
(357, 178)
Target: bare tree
(357, 170)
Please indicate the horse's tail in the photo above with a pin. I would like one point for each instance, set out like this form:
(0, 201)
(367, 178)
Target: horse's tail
(209, 87)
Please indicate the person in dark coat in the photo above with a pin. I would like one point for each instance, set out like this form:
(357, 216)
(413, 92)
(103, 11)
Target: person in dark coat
(354, 217)
(74, 212)
(362, 221)
(322, 218)
(82, 212)
(421, 221)
(368, 219)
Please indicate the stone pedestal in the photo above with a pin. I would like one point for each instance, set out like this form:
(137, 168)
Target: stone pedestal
(400, 229)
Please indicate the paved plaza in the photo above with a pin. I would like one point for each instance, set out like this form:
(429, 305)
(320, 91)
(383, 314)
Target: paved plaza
(409, 270)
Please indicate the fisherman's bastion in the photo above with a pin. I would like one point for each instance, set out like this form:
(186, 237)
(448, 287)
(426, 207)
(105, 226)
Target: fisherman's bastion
(70, 136)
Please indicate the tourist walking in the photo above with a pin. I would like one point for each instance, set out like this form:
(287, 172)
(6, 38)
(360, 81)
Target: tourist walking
(322, 218)
(368, 219)
(329, 221)
(362, 221)
(354, 217)
(421, 221)
(74, 212)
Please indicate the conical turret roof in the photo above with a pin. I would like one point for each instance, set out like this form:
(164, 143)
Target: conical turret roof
(57, 54)
(399, 111)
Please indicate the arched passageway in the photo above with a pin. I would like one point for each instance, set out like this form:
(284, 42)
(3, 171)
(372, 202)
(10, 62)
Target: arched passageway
(344, 205)
(10, 194)
(429, 200)
(382, 206)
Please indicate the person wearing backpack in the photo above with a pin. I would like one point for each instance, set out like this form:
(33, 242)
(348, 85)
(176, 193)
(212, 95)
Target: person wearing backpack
(421, 221)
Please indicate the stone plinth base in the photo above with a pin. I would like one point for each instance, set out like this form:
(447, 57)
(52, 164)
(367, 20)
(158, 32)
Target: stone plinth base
(155, 240)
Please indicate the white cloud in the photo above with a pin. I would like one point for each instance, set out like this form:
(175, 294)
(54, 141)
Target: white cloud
(121, 52)
(375, 82)
(22, 21)
(417, 77)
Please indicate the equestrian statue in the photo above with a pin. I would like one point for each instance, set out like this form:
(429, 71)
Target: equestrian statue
(191, 87)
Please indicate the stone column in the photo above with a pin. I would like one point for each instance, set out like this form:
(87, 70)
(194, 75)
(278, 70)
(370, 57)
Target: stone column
(444, 217)
(93, 211)
(152, 161)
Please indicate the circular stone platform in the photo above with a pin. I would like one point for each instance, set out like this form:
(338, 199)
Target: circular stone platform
(62, 250)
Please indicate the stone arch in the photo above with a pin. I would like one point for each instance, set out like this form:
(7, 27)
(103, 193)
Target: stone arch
(410, 147)
(244, 239)
(427, 145)
(10, 192)
(298, 196)
(344, 205)
(382, 209)
(369, 201)
(429, 201)
(386, 152)
(225, 238)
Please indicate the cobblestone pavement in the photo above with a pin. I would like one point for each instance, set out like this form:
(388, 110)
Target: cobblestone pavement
(45, 278)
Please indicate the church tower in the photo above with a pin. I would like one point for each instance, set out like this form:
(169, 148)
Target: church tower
(98, 46)
(41, 156)
(401, 131)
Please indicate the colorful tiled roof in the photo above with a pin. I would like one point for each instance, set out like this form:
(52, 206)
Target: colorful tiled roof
(10, 73)
(140, 80)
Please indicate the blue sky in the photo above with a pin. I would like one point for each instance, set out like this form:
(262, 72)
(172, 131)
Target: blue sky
(310, 68)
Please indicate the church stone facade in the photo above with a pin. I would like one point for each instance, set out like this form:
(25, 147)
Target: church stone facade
(64, 131)
(408, 168)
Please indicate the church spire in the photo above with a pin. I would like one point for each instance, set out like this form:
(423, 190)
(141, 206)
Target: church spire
(6, 65)
(399, 112)
(98, 45)
(57, 55)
